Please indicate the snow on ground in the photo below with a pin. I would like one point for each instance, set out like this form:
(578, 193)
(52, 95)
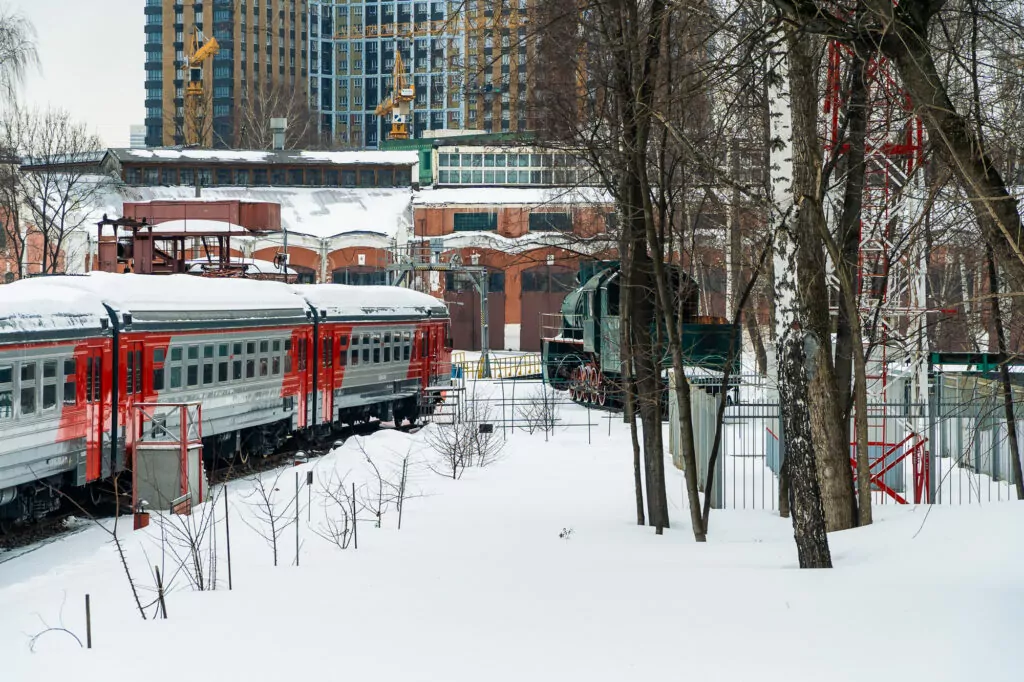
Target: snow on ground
(479, 585)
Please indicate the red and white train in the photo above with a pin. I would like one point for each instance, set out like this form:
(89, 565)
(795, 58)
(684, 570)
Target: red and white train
(266, 360)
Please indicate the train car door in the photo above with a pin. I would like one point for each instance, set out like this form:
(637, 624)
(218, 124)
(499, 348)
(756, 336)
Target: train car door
(133, 378)
(327, 351)
(303, 370)
(94, 413)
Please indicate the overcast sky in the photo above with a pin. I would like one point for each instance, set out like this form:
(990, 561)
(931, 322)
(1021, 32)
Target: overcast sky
(91, 62)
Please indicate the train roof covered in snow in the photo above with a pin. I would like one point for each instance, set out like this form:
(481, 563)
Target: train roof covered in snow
(69, 305)
(345, 302)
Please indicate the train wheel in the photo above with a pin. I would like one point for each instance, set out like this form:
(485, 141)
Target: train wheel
(574, 375)
(602, 390)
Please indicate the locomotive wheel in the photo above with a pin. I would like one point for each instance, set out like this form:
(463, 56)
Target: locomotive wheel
(574, 374)
(602, 391)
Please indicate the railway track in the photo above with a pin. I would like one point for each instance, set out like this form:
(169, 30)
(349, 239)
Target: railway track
(21, 540)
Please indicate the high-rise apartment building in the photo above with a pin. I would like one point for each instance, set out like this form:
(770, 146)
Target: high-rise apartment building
(468, 60)
(263, 48)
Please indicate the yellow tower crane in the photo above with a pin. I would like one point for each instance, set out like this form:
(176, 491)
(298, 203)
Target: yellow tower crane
(200, 49)
(399, 103)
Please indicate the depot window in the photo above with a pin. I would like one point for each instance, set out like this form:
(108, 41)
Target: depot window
(475, 222)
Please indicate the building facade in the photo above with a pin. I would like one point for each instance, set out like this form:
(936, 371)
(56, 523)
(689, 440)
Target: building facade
(469, 63)
(263, 44)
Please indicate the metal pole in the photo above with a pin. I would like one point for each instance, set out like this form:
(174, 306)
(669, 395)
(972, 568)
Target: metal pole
(88, 623)
(227, 530)
(355, 530)
(296, 518)
(485, 355)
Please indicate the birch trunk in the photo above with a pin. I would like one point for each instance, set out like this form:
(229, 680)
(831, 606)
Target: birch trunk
(801, 466)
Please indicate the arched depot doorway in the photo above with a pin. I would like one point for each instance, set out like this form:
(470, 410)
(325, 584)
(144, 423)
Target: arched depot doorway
(360, 275)
(543, 289)
(463, 301)
(303, 274)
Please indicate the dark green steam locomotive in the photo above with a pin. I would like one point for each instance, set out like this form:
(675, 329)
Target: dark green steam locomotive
(582, 354)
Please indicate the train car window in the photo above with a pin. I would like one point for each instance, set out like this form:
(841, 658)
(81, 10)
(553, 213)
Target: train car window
(176, 354)
(376, 348)
(236, 349)
(222, 371)
(208, 350)
(6, 392)
(28, 388)
(222, 350)
(129, 373)
(355, 350)
(158, 378)
(366, 348)
(275, 365)
(405, 350)
(192, 375)
(49, 384)
(250, 368)
(387, 337)
(97, 380)
(207, 373)
(264, 346)
(302, 354)
(158, 355)
(287, 344)
(250, 348)
(343, 341)
(88, 380)
(193, 352)
(387, 353)
(325, 354)
(175, 377)
(426, 347)
(70, 383)
(263, 367)
(138, 371)
(236, 370)
(277, 346)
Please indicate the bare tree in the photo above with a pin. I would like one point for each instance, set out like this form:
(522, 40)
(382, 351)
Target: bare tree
(340, 508)
(17, 51)
(270, 517)
(467, 442)
(61, 186)
(278, 100)
(190, 541)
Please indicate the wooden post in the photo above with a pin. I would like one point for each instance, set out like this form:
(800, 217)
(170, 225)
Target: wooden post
(160, 593)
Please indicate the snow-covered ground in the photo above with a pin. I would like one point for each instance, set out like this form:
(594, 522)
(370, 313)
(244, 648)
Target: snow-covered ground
(480, 584)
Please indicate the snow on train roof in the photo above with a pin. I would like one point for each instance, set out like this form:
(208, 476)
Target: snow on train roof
(342, 300)
(27, 307)
(170, 297)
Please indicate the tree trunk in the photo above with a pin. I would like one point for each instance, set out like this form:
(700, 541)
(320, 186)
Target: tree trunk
(833, 454)
(1004, 376)
(800, 465)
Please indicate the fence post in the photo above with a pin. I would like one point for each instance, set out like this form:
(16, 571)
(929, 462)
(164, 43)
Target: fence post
(88, 623)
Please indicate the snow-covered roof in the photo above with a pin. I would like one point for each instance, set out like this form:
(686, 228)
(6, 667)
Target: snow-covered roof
(317, 212)
(180, 297)
(254, 266)
(345, 301)
(196, 226)
(26, 308)
(521, 196)
(279, 157)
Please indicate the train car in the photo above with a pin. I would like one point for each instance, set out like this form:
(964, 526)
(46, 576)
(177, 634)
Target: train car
(379, 349)
(582, 354)
(54, 399)
(265, 359)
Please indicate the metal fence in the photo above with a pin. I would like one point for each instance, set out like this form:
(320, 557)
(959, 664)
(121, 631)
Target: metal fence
(954, 450)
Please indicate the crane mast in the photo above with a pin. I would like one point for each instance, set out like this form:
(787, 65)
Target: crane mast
(200, 50)
(399, 104)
